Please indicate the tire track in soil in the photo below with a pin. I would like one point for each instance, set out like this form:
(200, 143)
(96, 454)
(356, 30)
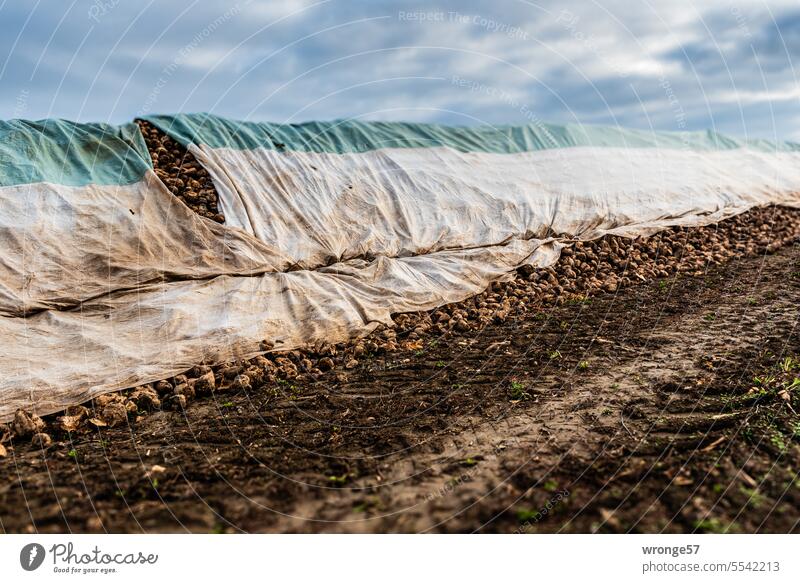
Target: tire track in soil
(474, 433)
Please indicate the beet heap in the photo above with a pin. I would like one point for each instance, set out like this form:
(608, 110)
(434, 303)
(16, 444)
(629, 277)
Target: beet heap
(585, 269)
(182, 173)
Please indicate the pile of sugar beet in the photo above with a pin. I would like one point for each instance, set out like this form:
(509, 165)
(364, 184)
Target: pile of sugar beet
(181, 172)
(585, 269)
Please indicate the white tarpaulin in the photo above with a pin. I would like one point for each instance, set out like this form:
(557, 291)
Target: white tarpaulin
(110, 282)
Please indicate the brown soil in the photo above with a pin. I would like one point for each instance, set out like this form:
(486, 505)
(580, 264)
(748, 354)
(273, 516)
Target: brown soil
(667, 406)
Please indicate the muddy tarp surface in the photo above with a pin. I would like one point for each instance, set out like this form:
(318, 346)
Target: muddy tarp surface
(333, 191)
(108, 281)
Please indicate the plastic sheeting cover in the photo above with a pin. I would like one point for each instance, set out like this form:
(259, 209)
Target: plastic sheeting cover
(109, 282)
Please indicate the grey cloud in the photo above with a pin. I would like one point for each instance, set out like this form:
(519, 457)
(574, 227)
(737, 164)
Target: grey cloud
(688, 65)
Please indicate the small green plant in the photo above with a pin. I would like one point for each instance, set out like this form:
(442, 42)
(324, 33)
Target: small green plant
(228, 404)
(662, 285)
(528, 515)
(469, 462)
(776, 439)
(550, 485)
(73, 454)
(710, 317)
(711, 525)
(583, 365)
(755, 499)
(555, 354)
(788, 364)
(763, 381)
(518, 391)
(440, 364)
(339, 480)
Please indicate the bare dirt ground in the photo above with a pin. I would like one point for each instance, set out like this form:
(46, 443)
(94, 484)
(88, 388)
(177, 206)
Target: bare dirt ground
(666, 407)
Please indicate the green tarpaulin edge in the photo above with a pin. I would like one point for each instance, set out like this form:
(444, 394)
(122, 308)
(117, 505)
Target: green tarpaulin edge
(354, 136)
(78, 154)
(71, 154)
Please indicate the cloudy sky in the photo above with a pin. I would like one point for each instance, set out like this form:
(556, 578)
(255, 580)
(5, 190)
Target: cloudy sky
(719, 64)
